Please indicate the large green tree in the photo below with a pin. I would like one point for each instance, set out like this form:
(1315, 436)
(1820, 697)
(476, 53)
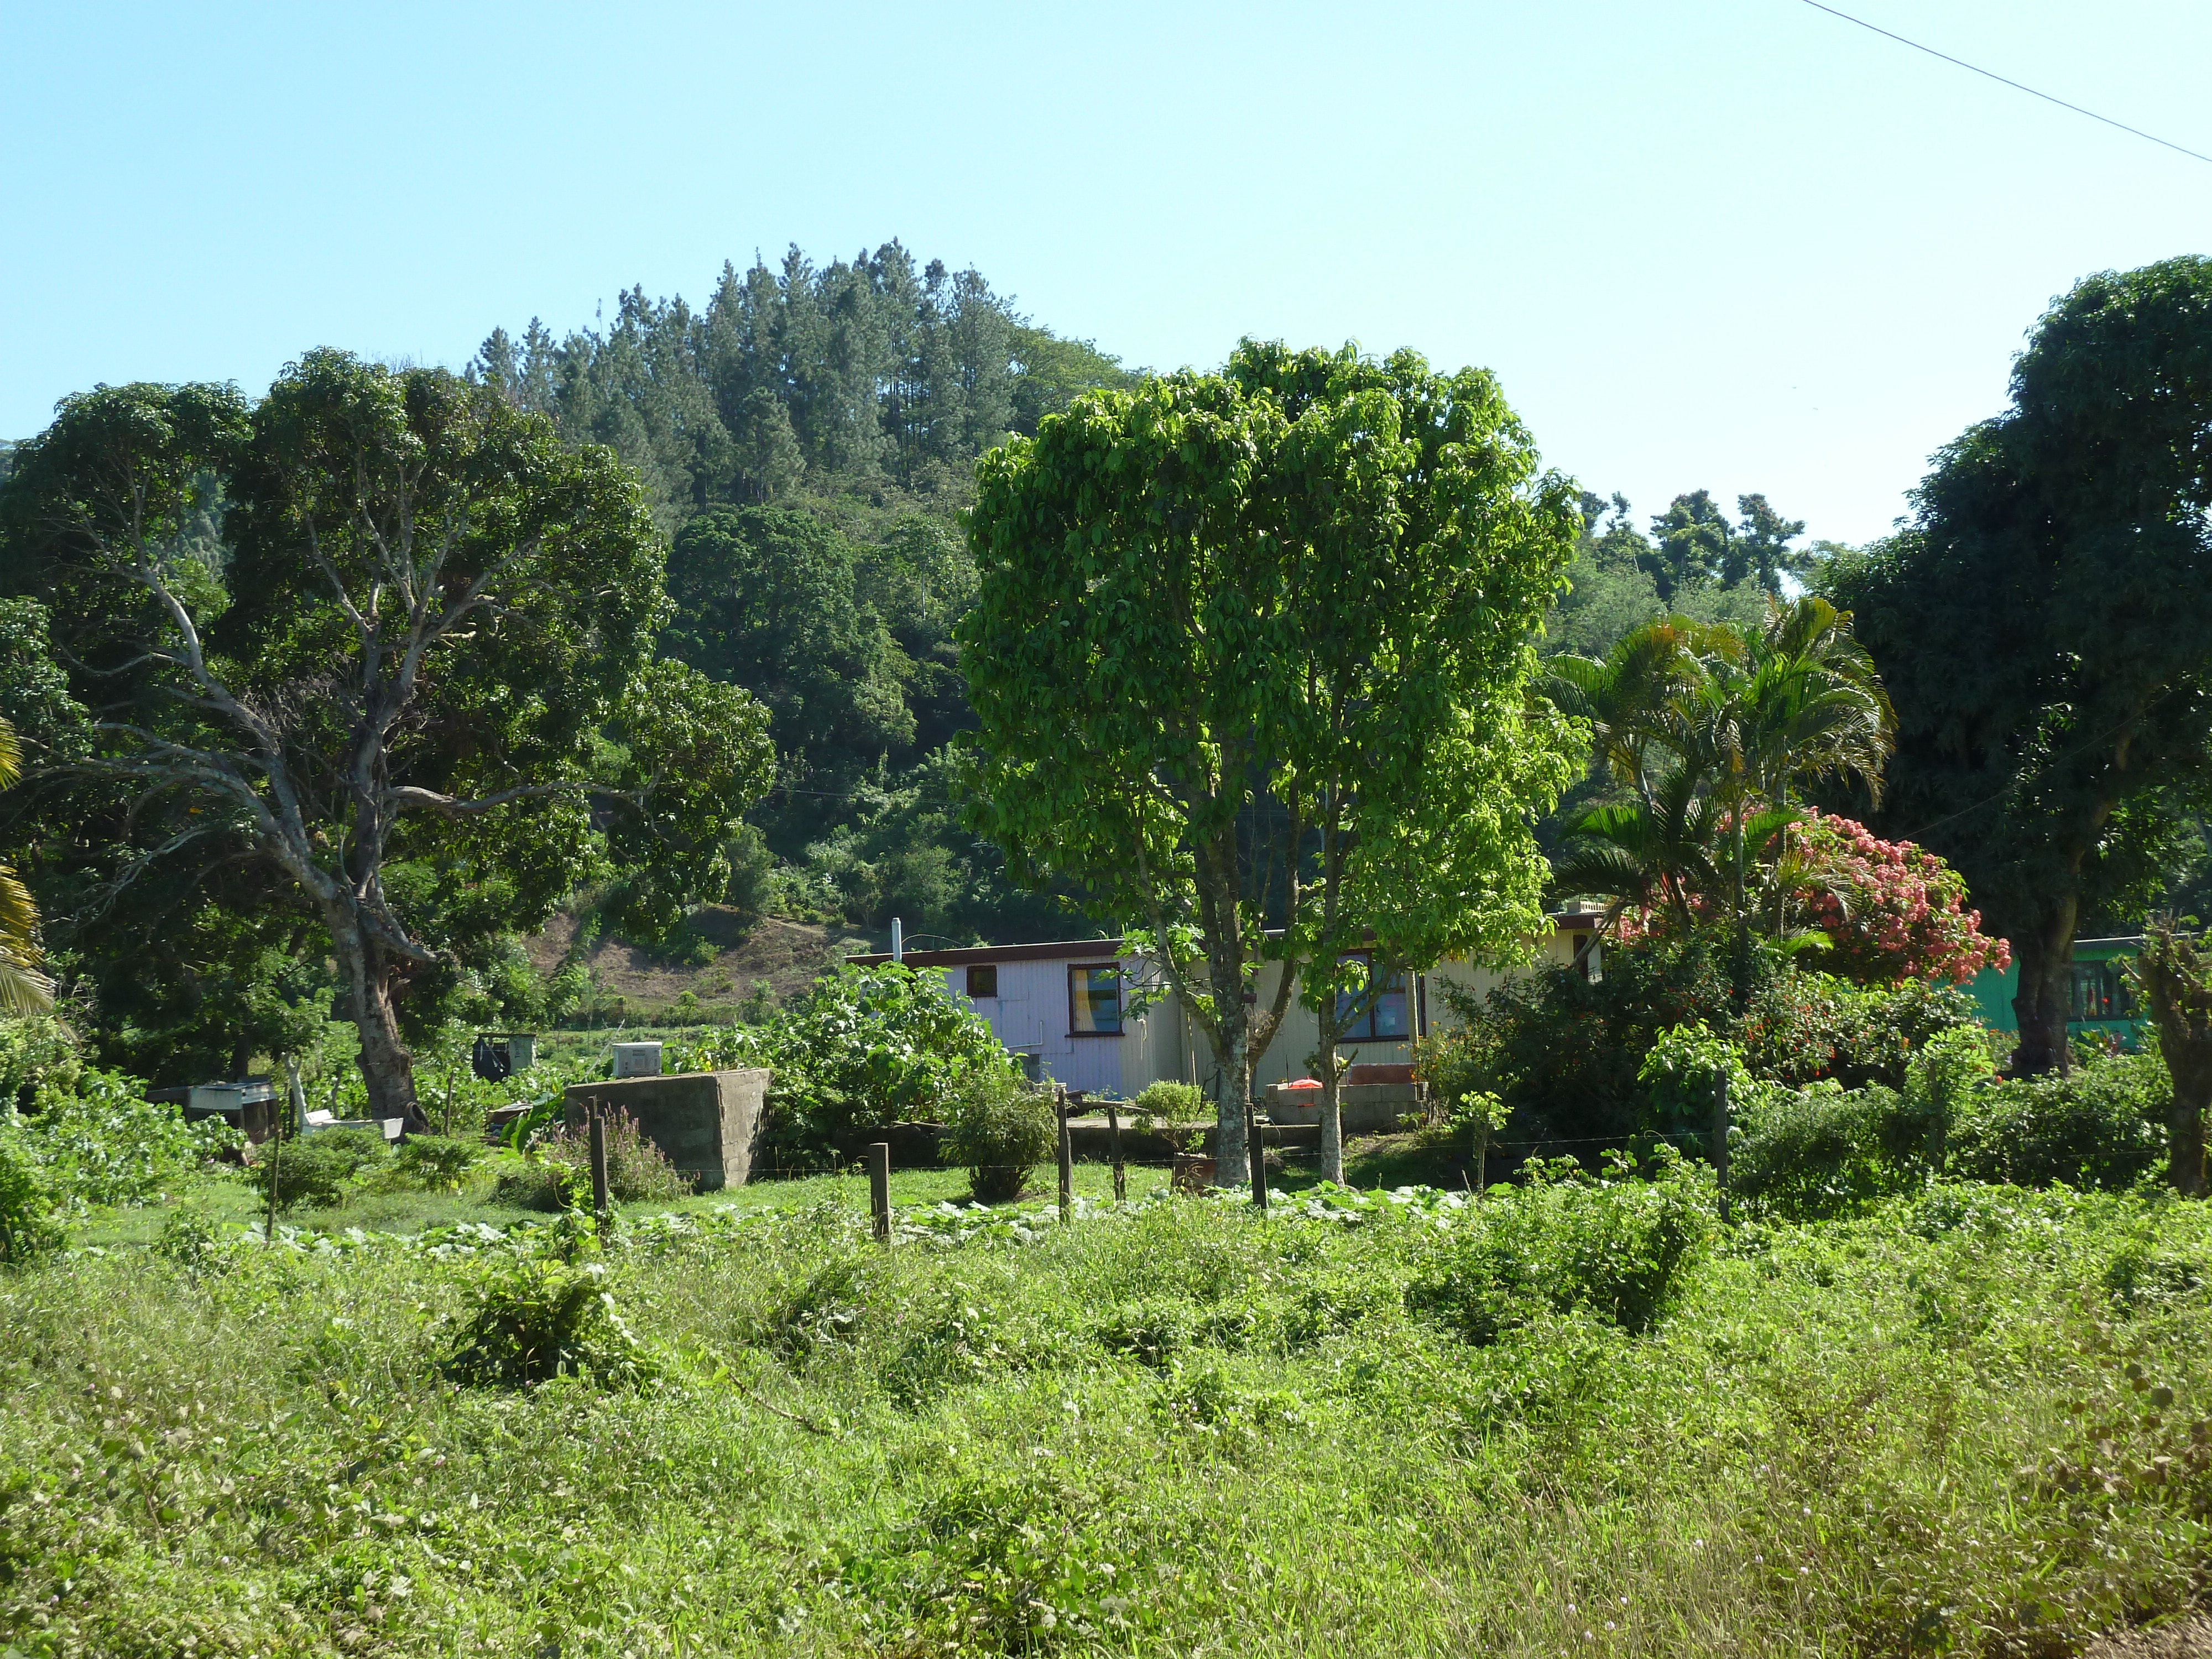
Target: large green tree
(426, 643)
(2044, 623)
(1168, 716)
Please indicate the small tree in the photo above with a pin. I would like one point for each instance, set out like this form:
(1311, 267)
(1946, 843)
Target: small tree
(377, 618)
(2175, 973)
(1891, 910)
(1186, 626)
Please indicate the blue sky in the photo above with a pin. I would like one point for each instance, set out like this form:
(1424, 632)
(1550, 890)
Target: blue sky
(1739, 245)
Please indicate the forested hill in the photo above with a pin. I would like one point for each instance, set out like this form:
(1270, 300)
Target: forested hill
(873, 379)
(807, 436)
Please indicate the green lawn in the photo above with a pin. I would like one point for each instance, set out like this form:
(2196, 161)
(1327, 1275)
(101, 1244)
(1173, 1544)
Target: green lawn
(1974, 1421)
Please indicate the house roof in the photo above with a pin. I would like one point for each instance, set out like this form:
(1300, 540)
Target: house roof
(1061, 950)
(1081, 950)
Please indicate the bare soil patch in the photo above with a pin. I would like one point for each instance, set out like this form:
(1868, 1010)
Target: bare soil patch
(789, 955)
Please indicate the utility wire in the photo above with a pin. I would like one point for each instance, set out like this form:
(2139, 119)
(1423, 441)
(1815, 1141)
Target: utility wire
(2002, 81)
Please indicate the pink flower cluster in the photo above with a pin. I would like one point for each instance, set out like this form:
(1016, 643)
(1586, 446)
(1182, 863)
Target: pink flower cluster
(1892, 910)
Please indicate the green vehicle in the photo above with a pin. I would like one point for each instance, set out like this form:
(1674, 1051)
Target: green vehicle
(2100, 999)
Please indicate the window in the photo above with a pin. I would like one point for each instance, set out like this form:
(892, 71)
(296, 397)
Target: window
(1094, 1000)
(1381, 1013)
(983, 982)
(2097, 990)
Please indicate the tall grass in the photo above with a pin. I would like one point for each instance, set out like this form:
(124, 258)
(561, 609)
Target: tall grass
(1175, 1428)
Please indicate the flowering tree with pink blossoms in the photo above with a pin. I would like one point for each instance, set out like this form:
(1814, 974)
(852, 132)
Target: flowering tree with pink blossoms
(1892, 910)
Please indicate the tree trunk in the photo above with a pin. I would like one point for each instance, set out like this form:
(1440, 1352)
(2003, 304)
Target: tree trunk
(2185, 1126)
(1232, 1078)
(1332, 1108)
(386, 1063)
(2045, 954)
(2171, 974)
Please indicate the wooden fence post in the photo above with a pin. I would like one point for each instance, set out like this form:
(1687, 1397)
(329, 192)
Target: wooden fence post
(1720, 1140)
(1067, 1155)
(598, 1133)
(879, 1189)
(1113, 1137)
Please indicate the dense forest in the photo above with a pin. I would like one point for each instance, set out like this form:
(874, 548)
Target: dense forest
(807, 439)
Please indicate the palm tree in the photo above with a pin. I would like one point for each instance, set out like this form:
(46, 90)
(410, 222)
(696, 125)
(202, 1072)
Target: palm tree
(1709, 730)
(23, 988)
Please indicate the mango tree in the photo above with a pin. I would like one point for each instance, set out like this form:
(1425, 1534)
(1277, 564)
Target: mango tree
(376, 618)
(1198, 600)
(2044, 625)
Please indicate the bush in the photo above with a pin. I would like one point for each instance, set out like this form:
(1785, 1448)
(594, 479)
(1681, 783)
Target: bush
(431, 1163)
(862, 1048)
(1171, 1102)
(1567, 1056)
(36, 1053)
(316, 1169)
(1804, 1027)
(28, 1229)
(1613, 1249)
(534, 1319)
(1681, 1074)
(104, 1142)
(559, 1173)
(2100, 1127)
(1001, 1129)
(1822, 1150)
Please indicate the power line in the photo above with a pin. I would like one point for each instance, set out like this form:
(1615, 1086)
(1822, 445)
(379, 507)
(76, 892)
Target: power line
(2002, 81)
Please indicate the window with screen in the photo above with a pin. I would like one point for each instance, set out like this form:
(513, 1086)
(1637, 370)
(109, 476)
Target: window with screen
(1381, 1013)
(983, 982)
(1094, 1000)
(2100, 991)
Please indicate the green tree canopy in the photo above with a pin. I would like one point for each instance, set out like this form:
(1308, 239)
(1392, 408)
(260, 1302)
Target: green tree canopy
(2044, 623)
(427, 641)
(1180, 620)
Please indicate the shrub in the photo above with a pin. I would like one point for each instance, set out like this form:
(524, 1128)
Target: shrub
(36, 1053)
(862, 1048)
(1172, 1103)
(1806, 1153)
(1892, 910)
(316, 1169)
(1613, 1249)
(2100, 1126)
(104, 1142)
(1000, 1129)
(559, 1173)
(28, 1229)
(1681, 1074)
(1564, 1054)
(1804, 1026)
(431, 1163)
(533, 1319)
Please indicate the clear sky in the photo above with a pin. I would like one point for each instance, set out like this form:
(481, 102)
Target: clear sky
(1739, 244)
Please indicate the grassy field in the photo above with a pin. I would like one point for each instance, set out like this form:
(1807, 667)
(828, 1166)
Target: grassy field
(1974, 1422)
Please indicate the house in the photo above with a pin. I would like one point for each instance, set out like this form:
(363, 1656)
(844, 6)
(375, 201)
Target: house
(2100, 999)
(1088, 1014)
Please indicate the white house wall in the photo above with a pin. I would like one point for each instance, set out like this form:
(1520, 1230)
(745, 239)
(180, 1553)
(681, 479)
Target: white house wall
(1030, 1015)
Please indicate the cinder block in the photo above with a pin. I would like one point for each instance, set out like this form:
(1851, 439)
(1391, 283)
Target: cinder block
(704, 1122)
